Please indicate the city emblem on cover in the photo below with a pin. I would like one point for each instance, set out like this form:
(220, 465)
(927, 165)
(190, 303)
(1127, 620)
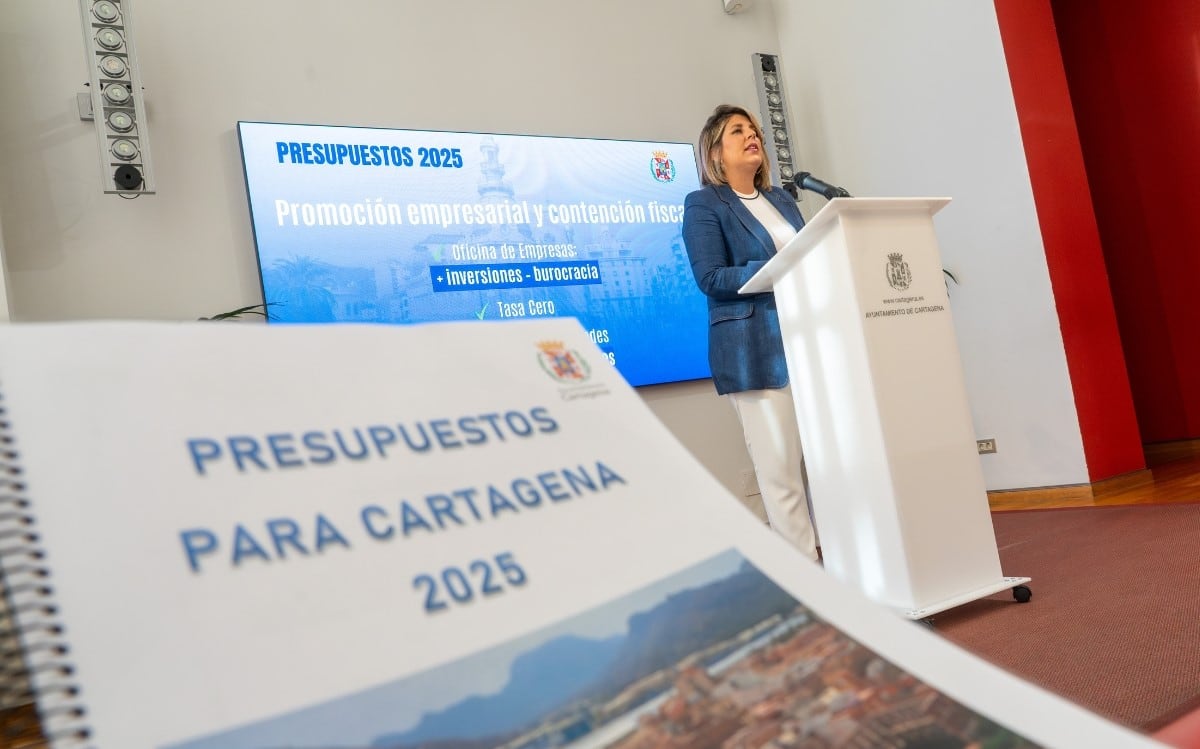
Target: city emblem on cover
(662, 167)
(898, 274)
(561, 364)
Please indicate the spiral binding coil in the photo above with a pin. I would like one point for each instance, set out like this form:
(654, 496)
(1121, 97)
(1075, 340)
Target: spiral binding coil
(32, 648)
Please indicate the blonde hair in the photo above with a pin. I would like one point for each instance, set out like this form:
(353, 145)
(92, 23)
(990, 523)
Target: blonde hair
(712, 172)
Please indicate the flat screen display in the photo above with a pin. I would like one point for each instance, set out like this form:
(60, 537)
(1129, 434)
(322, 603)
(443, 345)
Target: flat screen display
(410, 226)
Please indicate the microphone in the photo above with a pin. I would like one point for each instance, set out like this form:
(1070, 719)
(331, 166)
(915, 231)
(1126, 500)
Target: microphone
(806, 181)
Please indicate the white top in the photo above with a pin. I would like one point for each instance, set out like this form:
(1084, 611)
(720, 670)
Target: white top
(769, 216)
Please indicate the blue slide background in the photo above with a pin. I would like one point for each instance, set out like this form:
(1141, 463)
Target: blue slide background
(373, 266)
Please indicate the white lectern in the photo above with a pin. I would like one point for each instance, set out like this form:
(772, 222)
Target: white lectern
(897, 489)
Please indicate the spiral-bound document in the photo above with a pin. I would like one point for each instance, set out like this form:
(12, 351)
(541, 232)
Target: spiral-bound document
(236, 536)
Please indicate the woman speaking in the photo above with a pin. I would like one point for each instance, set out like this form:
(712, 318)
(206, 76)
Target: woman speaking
(732, 226)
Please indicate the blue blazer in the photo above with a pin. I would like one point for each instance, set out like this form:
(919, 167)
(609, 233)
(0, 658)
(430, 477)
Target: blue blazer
(726, 246)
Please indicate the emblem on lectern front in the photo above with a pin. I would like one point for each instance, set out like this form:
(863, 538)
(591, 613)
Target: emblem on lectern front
(898, 275)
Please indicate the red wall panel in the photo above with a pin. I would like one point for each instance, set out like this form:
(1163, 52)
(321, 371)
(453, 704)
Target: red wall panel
(1091, 338)
(1134, 75)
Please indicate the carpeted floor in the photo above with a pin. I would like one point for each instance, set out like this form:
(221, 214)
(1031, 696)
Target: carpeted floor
(1114, 623)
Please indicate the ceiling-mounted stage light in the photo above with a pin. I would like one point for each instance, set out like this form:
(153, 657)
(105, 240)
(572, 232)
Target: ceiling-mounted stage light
(106, 11)
(114, 100)
(109, 38)
(125, 150)
(117, 94)
(775, 116)
(120, 122)
(113, 66)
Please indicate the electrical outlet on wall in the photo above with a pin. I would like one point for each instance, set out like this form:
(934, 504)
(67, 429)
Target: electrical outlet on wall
(986, 446)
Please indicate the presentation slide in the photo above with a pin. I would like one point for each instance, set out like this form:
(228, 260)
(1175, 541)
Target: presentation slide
(407, 226)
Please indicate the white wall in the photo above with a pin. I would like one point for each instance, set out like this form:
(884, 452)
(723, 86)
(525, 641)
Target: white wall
(899, 108)
(913, 99)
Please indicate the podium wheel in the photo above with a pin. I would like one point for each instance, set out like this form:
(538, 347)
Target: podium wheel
(1022, 593)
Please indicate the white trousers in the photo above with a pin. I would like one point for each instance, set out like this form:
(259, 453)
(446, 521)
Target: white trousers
(773, 439)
